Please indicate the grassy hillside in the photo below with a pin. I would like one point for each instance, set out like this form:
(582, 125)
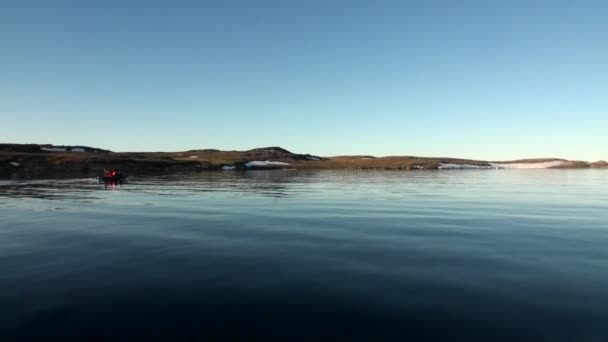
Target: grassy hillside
(602, 164)
(36, 161)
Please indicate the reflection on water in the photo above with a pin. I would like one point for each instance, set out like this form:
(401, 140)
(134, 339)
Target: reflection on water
(273, 184)
(48, 189)
(441, 255)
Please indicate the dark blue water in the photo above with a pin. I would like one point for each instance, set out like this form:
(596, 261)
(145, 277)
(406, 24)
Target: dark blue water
(486, 255)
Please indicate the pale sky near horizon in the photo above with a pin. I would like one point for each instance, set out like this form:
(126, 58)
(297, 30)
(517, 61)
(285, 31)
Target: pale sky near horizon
(472, 79)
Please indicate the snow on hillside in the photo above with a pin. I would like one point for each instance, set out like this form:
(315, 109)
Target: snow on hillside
(543, 165)
(540, 165)
(264, 163)
(462, 166)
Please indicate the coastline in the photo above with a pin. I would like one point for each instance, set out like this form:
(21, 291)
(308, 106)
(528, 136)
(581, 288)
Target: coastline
(37, 161)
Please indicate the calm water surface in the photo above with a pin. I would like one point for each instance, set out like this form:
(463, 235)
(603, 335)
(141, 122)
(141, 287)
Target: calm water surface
(292, 255)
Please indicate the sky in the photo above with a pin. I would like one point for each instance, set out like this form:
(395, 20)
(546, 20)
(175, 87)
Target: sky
(473, 79)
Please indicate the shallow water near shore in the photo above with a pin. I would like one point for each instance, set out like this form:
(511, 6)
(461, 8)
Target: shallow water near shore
(300, 255)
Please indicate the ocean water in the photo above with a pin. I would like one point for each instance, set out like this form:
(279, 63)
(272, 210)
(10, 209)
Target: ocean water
(454, 255)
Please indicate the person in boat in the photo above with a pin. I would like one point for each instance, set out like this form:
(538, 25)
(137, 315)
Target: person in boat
(112, 173)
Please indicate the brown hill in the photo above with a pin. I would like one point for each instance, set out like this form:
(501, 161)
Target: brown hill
(44, 161)
(602, 164)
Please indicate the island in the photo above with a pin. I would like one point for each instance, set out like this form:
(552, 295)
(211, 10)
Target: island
(54, 161)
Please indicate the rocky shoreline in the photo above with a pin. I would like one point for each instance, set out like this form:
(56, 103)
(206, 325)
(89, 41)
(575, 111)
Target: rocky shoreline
(48, 161)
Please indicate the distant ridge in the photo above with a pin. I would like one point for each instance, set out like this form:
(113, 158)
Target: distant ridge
(47, 160)
(33, 148)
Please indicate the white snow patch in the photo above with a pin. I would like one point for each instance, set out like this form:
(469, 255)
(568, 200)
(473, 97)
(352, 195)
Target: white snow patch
(542, 165)
(228, 167)
(193, 157)
(15, 164)
(462, 166)
(313, 158)
(54, 149)
(264, 163)
(78, 149)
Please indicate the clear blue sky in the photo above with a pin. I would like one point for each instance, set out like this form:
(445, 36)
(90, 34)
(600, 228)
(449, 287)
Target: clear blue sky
(477, 79)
